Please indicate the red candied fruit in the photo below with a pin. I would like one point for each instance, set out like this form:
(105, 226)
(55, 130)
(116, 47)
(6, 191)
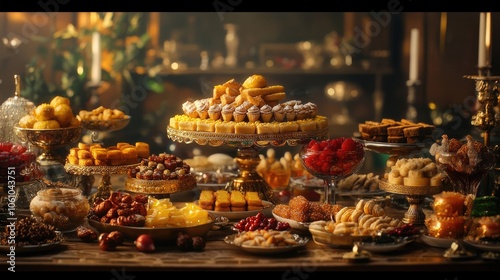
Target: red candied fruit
(336, 156)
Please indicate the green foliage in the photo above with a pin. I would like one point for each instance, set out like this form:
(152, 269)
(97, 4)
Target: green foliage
(67, 51)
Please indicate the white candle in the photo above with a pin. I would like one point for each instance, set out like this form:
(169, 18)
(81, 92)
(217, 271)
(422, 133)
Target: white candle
(414, 55)
(481, 57)
(95, 74)
(487, 40)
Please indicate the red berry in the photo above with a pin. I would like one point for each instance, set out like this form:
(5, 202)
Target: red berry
(349, 145)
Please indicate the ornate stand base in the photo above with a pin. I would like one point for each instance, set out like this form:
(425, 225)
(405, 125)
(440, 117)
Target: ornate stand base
(248, 178)
(414, 214)
(103, 191)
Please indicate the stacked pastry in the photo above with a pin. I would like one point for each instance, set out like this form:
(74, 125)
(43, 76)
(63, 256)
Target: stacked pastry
(448, 219)
(122, 153)
(414, 172)
(366, 218)
(225, 201)
(253, 107)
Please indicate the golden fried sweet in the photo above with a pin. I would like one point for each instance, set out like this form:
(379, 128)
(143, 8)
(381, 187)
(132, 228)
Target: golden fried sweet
(255, 81)
(50, 124)
(282, 210)
(44, 112)
(74, 122)
(63, 114)
(27, 121)
(59, 100)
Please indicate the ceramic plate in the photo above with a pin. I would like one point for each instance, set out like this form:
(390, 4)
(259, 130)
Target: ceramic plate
(302, 226)
(25, 249)
(238, 215)
(484, 246)
(437, 242)
(322, 237)
(301, 243)
(383, 247)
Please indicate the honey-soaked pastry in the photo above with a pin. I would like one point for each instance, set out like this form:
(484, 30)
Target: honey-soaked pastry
(255, 81)
(449, 204)
(63, 114)
(74, 122)
(114, 157)
(222, 198)
(253, 198)
(44, 112)
(27, 121)
(50, 124)
(207, 200)
(299, 203)
(83, 146)
(73, 160)
(74, 152)
(316, 212)
(84, 154)
(237, 199)
(265, 91)
(282, 210)
(57, 100)
(445, 227)
(85, 162)
(142, 149)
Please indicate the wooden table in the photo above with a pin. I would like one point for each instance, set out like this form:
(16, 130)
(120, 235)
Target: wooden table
(218, 256)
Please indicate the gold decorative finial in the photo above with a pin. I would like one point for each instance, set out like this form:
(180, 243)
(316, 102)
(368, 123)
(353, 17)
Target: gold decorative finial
(17, 82)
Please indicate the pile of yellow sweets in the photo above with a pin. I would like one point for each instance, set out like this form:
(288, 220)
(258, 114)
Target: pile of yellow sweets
(163, 213)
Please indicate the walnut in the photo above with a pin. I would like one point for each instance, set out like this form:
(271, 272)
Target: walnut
(86, 234)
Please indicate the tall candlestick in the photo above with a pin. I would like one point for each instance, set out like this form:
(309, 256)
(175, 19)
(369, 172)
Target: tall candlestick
(95, 74)
(481, 56)
(414, 55)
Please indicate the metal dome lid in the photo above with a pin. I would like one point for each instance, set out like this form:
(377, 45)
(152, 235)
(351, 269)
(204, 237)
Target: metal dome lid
(11, 111)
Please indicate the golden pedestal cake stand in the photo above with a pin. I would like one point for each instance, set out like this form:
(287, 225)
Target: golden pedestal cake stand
(247, 156)
(97, 126)
(104, 189)
(415, 196)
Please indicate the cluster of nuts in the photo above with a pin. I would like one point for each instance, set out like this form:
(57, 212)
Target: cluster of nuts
(160, 167)
(30, 231)
(121, 209)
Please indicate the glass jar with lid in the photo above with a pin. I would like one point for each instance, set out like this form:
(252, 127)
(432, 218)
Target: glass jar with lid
(64, 208)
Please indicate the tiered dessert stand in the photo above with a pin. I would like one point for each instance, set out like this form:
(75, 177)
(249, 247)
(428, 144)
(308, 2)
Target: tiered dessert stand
(96, 126)
(247, 156)
(414, 195)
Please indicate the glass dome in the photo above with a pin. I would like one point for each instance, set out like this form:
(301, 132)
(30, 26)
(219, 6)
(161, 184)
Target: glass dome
(11, 111)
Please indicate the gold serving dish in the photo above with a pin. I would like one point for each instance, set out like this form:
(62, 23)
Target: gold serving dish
(106, 125)
(49, 139)
(160, 186)
(159, 234)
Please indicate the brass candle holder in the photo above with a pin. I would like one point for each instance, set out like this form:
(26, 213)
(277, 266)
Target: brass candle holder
(486, 118)
(487, 96)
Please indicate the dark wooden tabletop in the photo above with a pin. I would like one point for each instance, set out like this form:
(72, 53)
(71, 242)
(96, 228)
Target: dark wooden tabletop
(218, 256)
